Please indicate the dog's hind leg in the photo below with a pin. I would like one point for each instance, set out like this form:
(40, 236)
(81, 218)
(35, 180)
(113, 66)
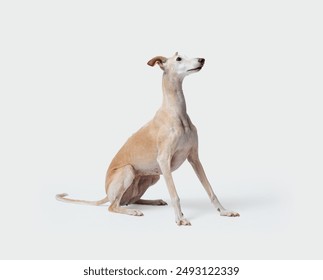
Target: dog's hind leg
(144, 183)
(157, 202)
(122, 179)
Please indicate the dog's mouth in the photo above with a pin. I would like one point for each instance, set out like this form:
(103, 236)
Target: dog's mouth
(195, 69)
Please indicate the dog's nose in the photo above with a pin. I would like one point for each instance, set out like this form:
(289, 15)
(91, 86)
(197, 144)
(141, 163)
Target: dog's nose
(201, 60)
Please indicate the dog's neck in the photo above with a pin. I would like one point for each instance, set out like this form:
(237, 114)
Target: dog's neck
(174, 104)
(173, 96)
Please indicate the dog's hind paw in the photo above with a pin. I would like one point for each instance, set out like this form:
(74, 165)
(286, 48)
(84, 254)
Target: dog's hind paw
(160, 202)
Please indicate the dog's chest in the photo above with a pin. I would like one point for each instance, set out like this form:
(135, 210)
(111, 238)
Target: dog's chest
(185, 141)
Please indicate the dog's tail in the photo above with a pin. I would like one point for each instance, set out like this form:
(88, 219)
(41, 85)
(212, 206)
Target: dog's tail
(61, 197)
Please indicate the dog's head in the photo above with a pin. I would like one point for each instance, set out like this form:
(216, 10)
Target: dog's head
(178, 65)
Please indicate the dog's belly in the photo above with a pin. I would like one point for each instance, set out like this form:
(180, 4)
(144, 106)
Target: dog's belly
(147, 168)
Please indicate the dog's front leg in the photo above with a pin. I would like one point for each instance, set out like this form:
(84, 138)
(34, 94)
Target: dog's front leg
(194, 160)
(164, 161)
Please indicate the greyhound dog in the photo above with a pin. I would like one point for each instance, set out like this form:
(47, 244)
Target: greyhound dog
(158, 148)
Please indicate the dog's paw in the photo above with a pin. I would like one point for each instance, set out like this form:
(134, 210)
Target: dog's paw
(135, 212)
(229, 213)
(183, 222)
(161, 202)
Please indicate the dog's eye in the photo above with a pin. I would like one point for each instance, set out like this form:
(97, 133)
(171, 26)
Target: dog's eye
(178, 59)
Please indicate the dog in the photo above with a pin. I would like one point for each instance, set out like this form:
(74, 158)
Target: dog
(158, 148)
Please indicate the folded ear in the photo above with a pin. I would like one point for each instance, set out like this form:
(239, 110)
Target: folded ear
(157, 59)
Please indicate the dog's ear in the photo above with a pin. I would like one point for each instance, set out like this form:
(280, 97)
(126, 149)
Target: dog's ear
(157, 59)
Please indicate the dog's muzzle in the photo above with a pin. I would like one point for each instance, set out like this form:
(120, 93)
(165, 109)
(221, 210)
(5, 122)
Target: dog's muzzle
(201, 61)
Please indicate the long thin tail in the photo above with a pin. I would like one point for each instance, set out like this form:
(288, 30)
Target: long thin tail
(61, 197)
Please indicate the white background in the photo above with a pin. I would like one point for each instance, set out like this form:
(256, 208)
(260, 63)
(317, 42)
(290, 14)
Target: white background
(75, 85)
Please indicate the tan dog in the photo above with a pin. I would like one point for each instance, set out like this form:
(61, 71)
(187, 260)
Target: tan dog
(159, 147)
